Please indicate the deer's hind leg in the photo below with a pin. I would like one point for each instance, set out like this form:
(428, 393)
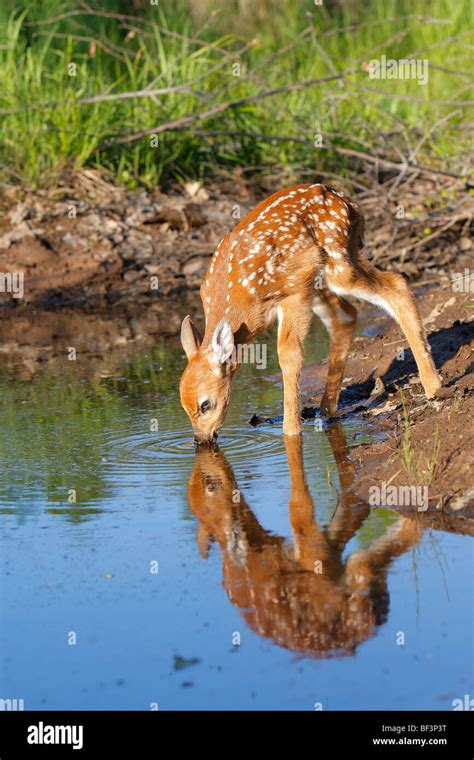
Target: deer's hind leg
(389, 290)
(339, 317)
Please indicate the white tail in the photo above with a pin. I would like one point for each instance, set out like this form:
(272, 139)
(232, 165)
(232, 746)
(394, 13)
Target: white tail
(297, 253)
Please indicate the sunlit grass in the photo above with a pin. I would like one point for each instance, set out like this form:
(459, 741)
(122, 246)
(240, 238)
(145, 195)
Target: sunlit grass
(47, 69)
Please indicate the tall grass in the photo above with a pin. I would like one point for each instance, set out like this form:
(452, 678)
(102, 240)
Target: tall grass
(47, 69)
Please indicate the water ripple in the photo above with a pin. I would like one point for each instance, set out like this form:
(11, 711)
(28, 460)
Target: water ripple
(138, 451)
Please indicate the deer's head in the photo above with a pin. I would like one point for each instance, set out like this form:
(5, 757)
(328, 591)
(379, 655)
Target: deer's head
(206, 382)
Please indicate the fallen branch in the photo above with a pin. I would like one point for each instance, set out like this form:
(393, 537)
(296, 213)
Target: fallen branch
(220, 108)
(437, 233)
(386, 164)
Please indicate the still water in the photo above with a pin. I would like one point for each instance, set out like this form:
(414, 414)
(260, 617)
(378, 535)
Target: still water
(137, 573)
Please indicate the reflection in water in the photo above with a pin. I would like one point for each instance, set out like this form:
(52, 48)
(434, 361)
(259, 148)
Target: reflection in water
(89, 425)
(303, 596)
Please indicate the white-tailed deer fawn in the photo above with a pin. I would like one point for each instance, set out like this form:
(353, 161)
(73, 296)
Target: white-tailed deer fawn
(297, 253)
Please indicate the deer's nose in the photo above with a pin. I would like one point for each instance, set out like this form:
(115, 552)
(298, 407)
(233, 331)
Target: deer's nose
(200, 440)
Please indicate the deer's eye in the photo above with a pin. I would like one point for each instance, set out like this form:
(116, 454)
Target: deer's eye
(205, 406)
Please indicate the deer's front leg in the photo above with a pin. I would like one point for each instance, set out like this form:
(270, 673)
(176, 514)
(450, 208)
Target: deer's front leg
(294, 317)
(291, 367)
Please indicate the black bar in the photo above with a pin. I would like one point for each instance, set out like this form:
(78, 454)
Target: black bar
(444, 733)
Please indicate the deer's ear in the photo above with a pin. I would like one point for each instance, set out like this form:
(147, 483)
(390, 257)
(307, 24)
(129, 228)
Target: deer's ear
(190, 338)
(222, 342)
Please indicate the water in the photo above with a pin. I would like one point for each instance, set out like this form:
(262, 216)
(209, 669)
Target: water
(136, 573)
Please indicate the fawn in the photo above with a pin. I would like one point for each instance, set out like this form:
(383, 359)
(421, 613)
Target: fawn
(297, 253)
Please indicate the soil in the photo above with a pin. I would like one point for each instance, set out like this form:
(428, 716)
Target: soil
(105, 270)
(381, 384)
(90, 245)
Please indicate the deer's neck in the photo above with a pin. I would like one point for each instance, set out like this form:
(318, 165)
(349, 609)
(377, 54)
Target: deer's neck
(224, 298)
(241, 330)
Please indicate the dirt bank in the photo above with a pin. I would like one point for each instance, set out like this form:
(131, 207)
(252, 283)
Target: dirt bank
(90, 245)
(422, 443)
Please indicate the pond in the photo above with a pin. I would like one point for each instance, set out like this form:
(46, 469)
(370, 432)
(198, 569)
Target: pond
(140, 574)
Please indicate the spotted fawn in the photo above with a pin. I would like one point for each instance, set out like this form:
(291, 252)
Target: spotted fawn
(298, 253)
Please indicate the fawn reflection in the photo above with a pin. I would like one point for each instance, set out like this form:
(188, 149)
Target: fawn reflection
(302, 595)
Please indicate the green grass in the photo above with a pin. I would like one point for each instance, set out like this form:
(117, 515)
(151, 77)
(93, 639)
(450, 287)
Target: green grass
(46, 129)
(420, 468)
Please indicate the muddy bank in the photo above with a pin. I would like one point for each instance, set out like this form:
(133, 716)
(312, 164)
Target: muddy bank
(422, 443)
(87, 244)
(90, 245)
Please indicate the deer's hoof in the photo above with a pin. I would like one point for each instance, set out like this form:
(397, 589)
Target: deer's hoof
(327, 408)
(433, 388)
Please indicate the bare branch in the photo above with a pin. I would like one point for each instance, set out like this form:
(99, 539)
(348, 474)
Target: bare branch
(220, 108)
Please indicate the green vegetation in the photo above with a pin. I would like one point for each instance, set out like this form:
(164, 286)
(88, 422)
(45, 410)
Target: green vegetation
(420, 469)
(50, 73)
